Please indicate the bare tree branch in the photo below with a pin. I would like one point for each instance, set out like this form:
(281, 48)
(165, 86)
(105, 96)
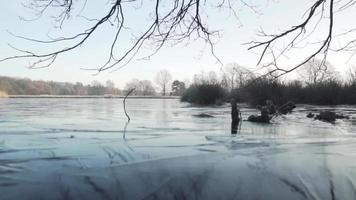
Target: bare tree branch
(296, 34)
(174, 22)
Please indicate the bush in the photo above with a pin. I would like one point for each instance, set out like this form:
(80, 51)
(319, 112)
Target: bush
(324, 93)
(329, 92)
(258, 91)
(204, 94)
(349, 93)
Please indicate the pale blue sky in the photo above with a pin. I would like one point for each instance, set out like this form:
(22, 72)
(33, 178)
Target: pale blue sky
(183, 61)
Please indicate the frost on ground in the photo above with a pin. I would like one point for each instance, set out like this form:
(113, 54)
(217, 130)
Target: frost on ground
(75, 149)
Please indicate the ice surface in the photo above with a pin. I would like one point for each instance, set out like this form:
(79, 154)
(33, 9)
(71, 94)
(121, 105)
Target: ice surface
(75, 149)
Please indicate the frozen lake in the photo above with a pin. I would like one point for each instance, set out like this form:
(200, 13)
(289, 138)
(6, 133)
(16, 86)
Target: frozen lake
(79, 149)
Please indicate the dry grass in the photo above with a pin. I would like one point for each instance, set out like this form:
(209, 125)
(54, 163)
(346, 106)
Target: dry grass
(3, 94)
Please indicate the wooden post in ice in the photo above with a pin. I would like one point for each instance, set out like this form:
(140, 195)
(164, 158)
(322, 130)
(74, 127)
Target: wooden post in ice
(235, 117)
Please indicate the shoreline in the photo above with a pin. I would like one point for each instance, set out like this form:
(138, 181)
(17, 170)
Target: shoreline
(88, 97)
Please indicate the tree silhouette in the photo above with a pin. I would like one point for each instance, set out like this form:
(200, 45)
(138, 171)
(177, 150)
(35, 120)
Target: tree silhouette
(352, 74)
(143, 87)
(315, 71)
(178, 88)
(235, 76)
(180, 20)
(162, 79)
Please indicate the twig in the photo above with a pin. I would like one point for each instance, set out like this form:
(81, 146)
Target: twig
(128, 93)
(124, 135)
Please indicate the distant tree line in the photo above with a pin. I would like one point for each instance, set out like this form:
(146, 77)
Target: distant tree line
(317, 83)
(142, 87)
(165, 86)
(24, 86)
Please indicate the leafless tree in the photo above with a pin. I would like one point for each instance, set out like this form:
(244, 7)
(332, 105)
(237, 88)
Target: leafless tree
(210, 77)
(169, 21)
(180, 20)
(110, 87)
(163, 78)
(213, 77)
(147, 88)
(143, 87)
(316, 71)
(235, 75)
(319, 19)
(133, 83)
(351, 77)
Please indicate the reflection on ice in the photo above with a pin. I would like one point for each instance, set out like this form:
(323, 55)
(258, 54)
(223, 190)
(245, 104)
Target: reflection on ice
(76, 149)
